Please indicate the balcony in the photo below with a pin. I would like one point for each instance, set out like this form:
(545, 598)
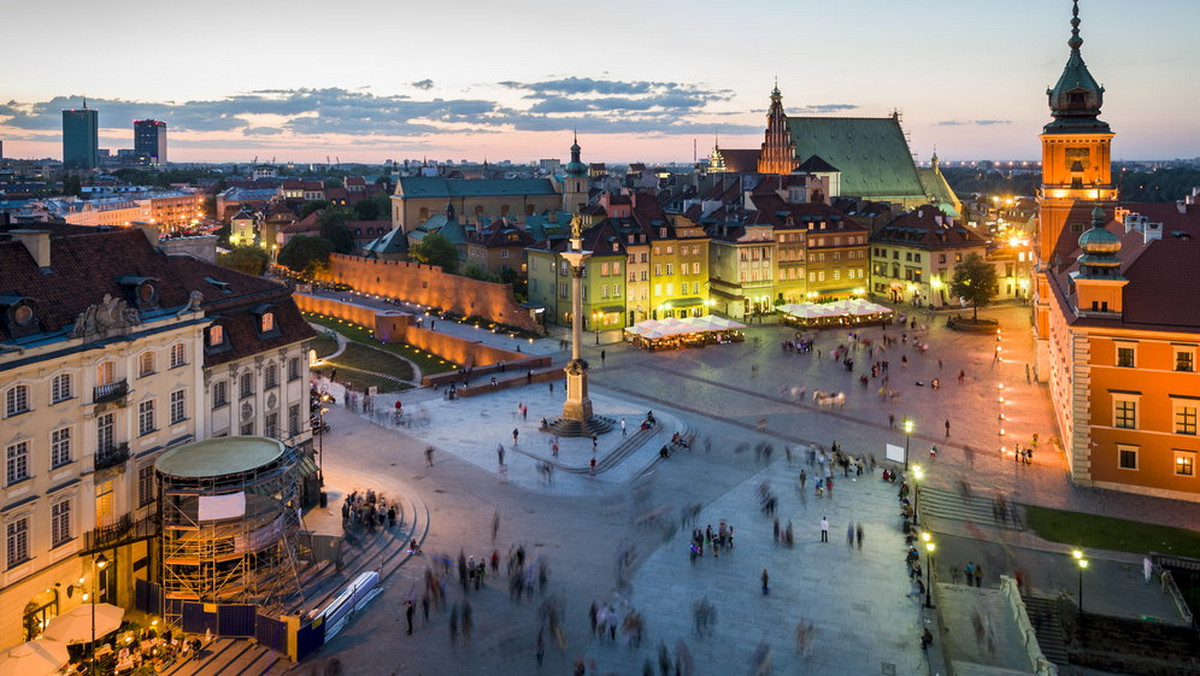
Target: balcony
(110, 457)
(110, 392)
(122, 532)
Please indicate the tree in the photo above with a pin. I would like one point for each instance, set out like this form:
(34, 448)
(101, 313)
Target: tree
(975, 282)
(312, 206)
(375, 208)
(248, 259)
(306, 255)
(333, 228)
(436, 250)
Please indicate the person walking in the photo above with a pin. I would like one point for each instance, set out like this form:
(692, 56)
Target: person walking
(947, 427)
(850, 535)
(429, 456)
(858, 533)
(765, 580)
(500, 449)
(803, 479)
(602, 355)
(408, 614)
(824, 529)
(541, 647)
(516, 432)
(622, 427)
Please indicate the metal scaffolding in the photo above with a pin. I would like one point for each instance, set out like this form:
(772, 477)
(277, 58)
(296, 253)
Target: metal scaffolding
(229, 537)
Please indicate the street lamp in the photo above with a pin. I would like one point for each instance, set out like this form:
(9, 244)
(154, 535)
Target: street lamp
(596, 324)
(908, 428)
(322, 410)
(927, 537)
(1083, 564)
(98, 564)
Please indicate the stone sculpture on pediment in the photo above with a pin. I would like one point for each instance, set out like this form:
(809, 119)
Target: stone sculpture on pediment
(110, 314)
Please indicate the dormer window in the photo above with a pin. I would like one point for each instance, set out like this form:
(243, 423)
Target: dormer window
(267, 322)
(216, 336)
(142, 291)
(19, 315)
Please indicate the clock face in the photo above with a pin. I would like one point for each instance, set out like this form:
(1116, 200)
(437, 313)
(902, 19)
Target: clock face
(23, 315)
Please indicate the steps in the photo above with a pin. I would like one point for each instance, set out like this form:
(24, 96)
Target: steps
(937, 503)
(597, 424)
(1049, 630)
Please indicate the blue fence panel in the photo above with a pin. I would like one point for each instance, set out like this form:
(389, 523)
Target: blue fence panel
(272, 633)
(235, 620)
(196, 620)
(309, 639)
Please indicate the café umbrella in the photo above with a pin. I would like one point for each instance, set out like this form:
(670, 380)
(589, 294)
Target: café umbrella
(75, 625)
(36, 658)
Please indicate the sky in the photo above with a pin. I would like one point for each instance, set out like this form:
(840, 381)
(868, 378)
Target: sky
(638, 80)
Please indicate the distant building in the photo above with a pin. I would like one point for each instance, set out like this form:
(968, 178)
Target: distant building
(150, 140)
(81, 137)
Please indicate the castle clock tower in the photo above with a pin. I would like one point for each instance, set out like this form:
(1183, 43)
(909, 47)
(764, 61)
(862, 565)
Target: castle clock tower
(575, 182)
(1076, 167)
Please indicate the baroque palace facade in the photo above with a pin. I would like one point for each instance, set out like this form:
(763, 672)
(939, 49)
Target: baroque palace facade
(111, 353)
(1116, 318)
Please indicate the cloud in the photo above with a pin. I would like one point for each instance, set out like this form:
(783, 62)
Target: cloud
(423, 84)
(827, 108)
(963, 123)
(262, 131)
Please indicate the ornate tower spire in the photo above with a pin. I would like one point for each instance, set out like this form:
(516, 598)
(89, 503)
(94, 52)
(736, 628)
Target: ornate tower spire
(778, 152)
(1076, 100)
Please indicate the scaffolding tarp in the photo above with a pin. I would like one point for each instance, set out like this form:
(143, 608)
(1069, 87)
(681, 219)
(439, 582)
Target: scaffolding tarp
(216, 507)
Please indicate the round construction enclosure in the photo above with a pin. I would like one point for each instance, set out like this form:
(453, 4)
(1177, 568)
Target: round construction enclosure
(229, 517)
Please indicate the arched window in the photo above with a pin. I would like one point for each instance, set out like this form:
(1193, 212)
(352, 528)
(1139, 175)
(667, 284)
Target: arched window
(268, 322)
(178, 355)
(145, 364)
(106, 373)
(60, 388)
(16, 400)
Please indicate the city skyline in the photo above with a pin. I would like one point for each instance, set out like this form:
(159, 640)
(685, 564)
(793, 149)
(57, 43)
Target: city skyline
(481, 83)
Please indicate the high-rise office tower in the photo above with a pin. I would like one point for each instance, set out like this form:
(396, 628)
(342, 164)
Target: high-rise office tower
(81, 137)
(150, 140)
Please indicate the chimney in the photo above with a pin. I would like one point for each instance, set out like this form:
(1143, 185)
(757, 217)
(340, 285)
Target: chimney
(1181, 205)
(38, 243)
(1151, 232)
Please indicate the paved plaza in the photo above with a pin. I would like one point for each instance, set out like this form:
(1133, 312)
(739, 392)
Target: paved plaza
(865, 617)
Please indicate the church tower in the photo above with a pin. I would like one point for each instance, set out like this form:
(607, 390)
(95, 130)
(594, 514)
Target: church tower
(575, 182)
(1076, 167)
(778, 154)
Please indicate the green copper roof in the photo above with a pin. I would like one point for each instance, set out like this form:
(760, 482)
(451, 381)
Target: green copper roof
(422, 186)
(939, 190)
(1076, 99)
(871, 153)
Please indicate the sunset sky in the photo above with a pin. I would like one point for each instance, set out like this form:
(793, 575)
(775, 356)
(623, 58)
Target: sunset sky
(366, 80)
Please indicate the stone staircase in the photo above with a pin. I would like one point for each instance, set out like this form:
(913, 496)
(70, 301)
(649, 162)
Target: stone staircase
(937, 503)
(228, 656)
(1044, 617)
(597, 424)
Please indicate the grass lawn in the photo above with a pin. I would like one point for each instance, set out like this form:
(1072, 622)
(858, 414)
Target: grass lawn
(1102, 532)
(324, 345)
(364, 358)
(361, 381)
(428, 363)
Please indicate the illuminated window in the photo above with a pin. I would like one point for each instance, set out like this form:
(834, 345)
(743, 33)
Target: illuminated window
(145, 364)
(1127, 456)
(268, 322)
(216, 335)
(1185, 463)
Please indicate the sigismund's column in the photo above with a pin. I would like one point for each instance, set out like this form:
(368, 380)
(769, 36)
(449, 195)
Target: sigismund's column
(578, 406)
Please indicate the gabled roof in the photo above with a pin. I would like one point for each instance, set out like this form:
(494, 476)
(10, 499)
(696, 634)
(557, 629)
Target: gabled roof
(738, 160)
(422, 186)
(928, 227)
(394, 242)
(816, 165)
(871, 153)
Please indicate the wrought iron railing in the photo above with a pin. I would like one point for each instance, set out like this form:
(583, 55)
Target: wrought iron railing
(110, 392)
(111, 456)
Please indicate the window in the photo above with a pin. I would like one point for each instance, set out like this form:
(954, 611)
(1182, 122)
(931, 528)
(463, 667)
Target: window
(17, 467)
(178, 355)
(247, 385)
(216, 335)
(670, 268)
(1126, 356)
(145, 364)
(1127, 456)
(293, 369)
(248, 429)
(267, 322)
(1125, 413)
(105, 432)
(18, 542)
(145, 417)
(1185, 463)
(16, 400)
(106, 373)
(1185, 359)
(178, 406)
(145, 484)
(60, 447)
(60, 523)
(220, 394)
(60, 388)
(1185, 417)
(504, 253)
(294, 419)
(271, 376)
(271, 425)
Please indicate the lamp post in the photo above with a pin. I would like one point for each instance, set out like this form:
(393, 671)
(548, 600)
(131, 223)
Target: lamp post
(596, 324)
(1083, 564)
(322, 410)
(908, 428)
(927, 537)
(98, 564)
